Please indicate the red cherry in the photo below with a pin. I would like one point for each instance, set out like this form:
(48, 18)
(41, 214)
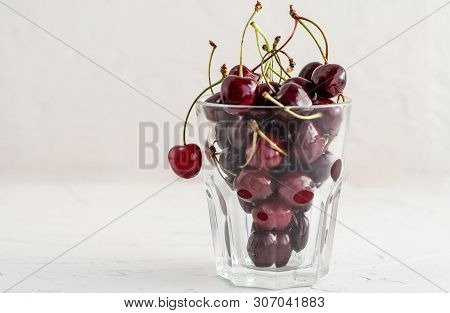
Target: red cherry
(330, 80)
(266, 157)
(186, 161)
(272, 214)
(260, 100)
(296, 189)
(307, 86)
(238, 91)
(253, 186)
(299, 232)
(336, 170)
(246, 71)
(308, 69)
(309, 143)
(291, 94)
(331, 119)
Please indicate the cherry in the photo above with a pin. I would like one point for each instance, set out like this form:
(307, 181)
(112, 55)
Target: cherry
(331, 119)
(252, 186)
(231, 159)
(307, 86)
(309, 143)
(291, 94)
(186, 160)
(272, 215)
(299, 232)
(262, 249)
(246, 72)
(239, 134)
(215, 98)
(330, 80)
(221, 131)
(216, 114)
(260, 100)
(336, 170)
(284, 249)
(321, 168)
(265, 157)
(246, 206)
(238, 91)
(296, 189)
(308, 69)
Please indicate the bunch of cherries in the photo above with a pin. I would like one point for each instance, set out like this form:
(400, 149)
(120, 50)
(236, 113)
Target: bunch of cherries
(273, 159)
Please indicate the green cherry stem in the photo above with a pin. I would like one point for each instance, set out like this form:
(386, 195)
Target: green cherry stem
(300, 19)
(288, 109)
(258, 7)
(254, 125)
(214, 47)
(254, 142)
(223, 70)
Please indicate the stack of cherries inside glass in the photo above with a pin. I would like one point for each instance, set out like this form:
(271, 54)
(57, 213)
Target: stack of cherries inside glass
(274, 160)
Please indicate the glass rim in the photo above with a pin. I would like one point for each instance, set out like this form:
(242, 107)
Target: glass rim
(202, 102)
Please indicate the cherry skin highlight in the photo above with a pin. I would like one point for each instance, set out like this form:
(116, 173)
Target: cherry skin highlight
(186, 161)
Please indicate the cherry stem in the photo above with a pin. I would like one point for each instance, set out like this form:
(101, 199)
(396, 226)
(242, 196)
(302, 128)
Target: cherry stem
(214, 47)
(288, 109)
(281, 48)
(254, 142)
(258, 7)
(340, 96)
(321, 32)
(259, 31)
(254, 125)
(300, 19)
(223, 70)
(218, 165)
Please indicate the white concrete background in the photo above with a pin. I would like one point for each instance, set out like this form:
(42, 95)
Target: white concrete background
(69, 139)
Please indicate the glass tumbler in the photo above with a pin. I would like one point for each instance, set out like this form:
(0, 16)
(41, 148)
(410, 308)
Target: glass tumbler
(273, 179)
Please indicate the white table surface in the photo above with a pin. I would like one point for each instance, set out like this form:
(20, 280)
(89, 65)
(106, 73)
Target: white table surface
(164, 245)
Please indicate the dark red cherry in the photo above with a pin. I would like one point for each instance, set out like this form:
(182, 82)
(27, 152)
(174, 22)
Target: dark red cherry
(284, 249)
(309, 143)
(336, 170)
(272, 215)
(331, 119)
(215, 98)
(216, 114)
(246, 71)
(262, 248)
(231, 159)
(239, 134)
(246, 206)
(185, 161)
(330, 80)
(260, 100)
(296, 189)
(299, 232)
(221, 132)
(291, 94)
(307, 86)
(321, 168)
(265, 157)
(238, 91)
(308, 69)
(253, 186)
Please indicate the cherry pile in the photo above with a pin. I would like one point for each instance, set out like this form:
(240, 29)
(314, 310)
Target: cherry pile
(275, 159)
